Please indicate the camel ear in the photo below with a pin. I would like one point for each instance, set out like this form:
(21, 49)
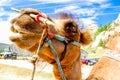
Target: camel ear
(85, 38)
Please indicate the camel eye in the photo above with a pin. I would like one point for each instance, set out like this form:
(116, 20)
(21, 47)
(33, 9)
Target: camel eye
(70, 28)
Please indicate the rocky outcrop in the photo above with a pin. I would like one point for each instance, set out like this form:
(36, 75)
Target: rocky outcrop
(115, 28)
(92, 29)
(104, 36)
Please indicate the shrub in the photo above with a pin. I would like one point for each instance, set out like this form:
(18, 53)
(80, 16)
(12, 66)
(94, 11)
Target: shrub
(101, 29)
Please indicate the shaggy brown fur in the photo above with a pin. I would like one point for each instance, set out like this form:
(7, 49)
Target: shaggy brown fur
(30, 33)
(107, 68)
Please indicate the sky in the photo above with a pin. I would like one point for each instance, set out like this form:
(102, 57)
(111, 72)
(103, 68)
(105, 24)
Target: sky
(99, 12)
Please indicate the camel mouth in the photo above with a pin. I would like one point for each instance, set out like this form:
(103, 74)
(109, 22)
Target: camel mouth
(23, 30)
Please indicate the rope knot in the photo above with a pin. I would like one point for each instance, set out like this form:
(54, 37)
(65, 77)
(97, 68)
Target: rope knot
(50, 34)
(34, 59)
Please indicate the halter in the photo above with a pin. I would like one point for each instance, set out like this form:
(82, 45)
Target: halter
(41, 18)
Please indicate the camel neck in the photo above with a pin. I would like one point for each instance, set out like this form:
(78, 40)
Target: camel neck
(72, 72)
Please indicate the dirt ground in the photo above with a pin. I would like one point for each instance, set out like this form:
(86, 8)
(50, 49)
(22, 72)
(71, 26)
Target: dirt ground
(22, 70)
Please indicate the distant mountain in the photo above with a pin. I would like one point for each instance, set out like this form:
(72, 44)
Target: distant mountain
(3, 46)
(14, 48)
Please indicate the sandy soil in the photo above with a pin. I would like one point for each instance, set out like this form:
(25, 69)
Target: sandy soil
(22, 70)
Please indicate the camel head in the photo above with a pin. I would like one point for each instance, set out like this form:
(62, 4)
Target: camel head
(28, 31)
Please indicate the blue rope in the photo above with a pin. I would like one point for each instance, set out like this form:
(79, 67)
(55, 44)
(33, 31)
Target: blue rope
(56, 57)
(61, 38)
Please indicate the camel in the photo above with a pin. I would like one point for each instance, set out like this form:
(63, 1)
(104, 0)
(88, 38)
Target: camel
(29, 31)
(108, 67)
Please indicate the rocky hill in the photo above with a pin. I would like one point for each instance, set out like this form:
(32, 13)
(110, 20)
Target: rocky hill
(104, 35)
(92, 29)
(20, 52)
(3, 46)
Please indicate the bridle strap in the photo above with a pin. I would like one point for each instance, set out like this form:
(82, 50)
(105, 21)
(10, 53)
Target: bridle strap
(64, 52)
(56, 58)
(64, 39)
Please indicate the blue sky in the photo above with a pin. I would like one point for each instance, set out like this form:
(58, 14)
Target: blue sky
(98, 12)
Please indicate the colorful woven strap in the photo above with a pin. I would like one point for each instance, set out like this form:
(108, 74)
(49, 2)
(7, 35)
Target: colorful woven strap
(112, 54)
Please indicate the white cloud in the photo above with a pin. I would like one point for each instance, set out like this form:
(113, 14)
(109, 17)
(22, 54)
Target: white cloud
(5, 25)
(6, 2)
(77, 10)
(88, 14)
(53, 1)
(85, 2)
(2, 11)
(5, 31)
(66, 8)
(96, 1)
(105, 5)
(85, 11)
(88, 21)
